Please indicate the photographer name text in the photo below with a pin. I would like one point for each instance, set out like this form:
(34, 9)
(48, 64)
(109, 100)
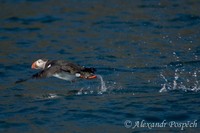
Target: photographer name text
(163, 124)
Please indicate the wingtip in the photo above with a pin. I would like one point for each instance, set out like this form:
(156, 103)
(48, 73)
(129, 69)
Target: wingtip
(20, 81)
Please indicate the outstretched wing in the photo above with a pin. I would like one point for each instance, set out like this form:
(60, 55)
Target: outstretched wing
(21, 80)
(48, 72)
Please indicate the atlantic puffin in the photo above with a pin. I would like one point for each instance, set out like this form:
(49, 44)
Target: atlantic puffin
(61, 69)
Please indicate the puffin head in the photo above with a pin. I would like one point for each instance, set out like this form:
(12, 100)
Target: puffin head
(39, 64)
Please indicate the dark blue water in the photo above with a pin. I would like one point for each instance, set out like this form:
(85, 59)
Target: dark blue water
(147, 52)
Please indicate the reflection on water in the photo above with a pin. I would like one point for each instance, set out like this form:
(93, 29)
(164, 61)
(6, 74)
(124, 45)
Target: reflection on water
(140, 48)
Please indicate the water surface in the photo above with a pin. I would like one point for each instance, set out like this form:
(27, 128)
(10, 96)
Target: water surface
(146, 51)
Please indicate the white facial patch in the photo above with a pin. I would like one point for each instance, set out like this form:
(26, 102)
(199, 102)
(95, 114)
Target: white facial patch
(40, 64)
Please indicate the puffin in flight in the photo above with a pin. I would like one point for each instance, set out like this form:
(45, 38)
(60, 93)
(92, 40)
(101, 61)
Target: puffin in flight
(60, 69)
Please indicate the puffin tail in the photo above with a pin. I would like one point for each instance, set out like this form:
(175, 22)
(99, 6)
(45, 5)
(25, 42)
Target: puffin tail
(89, 70)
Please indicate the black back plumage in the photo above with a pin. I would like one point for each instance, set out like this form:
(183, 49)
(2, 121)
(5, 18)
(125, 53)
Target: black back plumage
(69, 67)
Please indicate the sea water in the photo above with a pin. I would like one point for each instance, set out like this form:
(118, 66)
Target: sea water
(138, 47)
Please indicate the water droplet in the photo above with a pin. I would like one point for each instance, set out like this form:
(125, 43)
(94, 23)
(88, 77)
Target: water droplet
(163, 89)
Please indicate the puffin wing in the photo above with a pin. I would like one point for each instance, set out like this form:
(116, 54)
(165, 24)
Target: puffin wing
(42, 74)
(74, 68)
(71, 68)
(48, 72)
(79, 71)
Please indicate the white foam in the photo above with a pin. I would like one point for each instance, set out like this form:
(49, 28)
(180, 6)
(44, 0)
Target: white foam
(52, 96)
(102, 89)
(48, 96)
(80, 92)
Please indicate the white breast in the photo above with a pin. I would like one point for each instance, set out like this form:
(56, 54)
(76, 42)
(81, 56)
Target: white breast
(64, 76)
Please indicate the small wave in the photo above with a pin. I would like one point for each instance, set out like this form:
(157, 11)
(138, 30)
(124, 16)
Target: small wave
(181, 63)
(48, 96)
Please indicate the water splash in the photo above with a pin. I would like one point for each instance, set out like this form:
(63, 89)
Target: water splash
(103, 87)
(176, 76)
(82, 91)
(182, 80)
(87, 91)
(163, 89)
(180, 75)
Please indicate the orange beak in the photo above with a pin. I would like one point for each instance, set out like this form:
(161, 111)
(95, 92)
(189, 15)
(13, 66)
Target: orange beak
(34, 66)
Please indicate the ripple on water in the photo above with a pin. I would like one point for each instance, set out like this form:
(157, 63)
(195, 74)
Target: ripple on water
(177, 117)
